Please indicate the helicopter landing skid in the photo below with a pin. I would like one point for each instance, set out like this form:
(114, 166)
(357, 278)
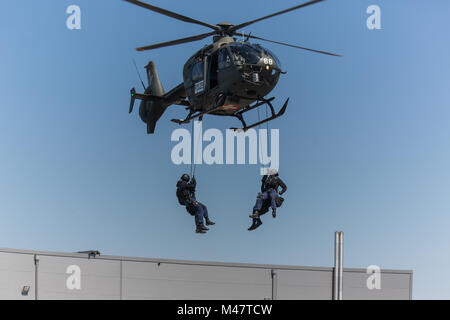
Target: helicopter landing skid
(192, 117)
(272, 110)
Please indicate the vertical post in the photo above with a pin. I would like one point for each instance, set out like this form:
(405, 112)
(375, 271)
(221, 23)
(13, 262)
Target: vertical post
(338, 265)
(121, 280)
(36, 276)
(341, 265)
(274, 283)
(335, 269)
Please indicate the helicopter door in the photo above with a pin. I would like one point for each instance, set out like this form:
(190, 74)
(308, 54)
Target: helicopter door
(224, 59)
(198, 77)
(213, 70)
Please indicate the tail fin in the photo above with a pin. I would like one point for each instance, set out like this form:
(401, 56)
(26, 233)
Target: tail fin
(152, 109)
(153, 80)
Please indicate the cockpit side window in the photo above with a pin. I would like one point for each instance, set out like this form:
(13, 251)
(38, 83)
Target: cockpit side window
(224, 59)
(197, 71)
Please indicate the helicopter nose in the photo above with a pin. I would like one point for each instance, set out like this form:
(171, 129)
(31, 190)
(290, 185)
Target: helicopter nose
(268, 67)
(269, 63)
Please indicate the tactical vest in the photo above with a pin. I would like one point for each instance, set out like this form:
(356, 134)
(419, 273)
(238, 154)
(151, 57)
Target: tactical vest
(180, 196)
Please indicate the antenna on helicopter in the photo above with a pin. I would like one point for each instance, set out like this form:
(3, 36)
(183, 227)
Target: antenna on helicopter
(248, 36)
(139, 75)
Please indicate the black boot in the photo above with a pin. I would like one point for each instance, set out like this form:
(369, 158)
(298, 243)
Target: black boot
(203, 227)
(255, 215)
(274, 212)
(256, 223)
(209, 222)
(199, 229)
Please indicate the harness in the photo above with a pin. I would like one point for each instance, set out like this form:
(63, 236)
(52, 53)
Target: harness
(187, 198)
(271, 183)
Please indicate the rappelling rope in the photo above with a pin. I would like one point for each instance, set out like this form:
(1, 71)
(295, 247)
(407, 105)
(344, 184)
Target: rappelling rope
(267, 135)
(194, 153)
(192, 148)
(267, 129)
(259, 138)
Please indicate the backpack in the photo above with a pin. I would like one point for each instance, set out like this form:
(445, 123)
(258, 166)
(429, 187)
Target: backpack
(180, 197)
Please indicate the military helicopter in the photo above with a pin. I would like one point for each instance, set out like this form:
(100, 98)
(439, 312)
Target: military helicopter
(225, 78)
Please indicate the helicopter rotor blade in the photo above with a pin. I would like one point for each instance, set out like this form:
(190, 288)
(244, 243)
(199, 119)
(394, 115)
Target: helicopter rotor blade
(171, 14)
(245, 24)
(288, 45)
(175, 42)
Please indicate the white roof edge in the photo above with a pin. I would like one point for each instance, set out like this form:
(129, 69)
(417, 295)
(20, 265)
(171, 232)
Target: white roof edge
(190, 262)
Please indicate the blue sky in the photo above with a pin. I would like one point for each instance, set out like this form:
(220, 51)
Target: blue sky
(364, 144)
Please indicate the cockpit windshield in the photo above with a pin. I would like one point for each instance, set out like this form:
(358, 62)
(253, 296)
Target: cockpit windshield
(245, 54)
(270, 53)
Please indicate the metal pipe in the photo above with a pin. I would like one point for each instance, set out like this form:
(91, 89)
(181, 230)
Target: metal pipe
(274, 275)
(338, 270)
(36, 276)
(336, 264)
(121, 280)
(341, 265)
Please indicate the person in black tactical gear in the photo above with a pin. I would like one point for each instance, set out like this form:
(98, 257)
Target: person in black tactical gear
(186, 197)
(269, 196)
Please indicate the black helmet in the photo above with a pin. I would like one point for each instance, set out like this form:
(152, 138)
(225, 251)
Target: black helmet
(185, 177)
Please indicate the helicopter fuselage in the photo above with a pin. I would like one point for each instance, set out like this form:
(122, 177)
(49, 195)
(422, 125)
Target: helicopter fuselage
(229, 75)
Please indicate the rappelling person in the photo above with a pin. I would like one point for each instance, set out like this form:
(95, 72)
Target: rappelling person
(269, 196)
(186, 197)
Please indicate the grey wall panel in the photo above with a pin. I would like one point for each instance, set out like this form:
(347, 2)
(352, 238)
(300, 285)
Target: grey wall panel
(16, 271)
(394, 286)
(304, 284)
(177, 281)
(100, 279)
(111, 277)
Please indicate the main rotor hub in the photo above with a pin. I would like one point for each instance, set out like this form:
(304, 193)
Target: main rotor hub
(224, 27)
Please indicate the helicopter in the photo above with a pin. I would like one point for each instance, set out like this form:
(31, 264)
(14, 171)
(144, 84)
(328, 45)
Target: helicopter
(226, 78)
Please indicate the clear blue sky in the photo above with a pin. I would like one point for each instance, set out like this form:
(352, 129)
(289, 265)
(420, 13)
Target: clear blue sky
(365, 142)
